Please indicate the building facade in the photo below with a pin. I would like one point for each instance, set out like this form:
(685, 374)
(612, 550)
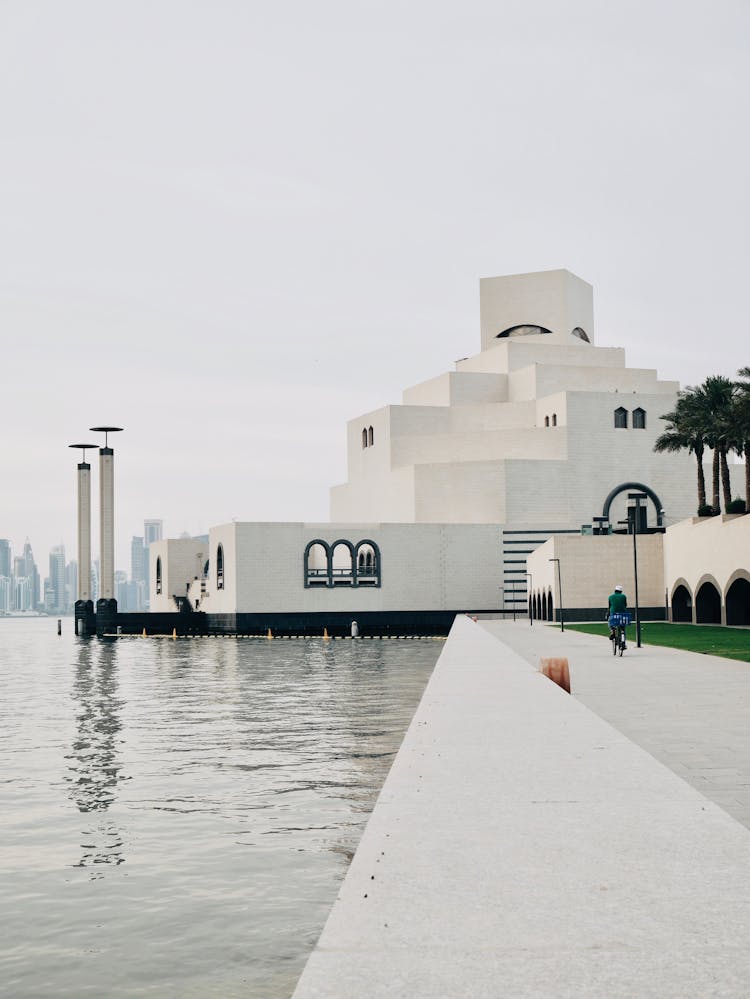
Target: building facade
(450, 492)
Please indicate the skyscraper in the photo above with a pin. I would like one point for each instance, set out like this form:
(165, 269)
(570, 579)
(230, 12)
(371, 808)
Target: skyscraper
(6, 583)
(57, 579)
(152, 531)
(5, 557)
(137, 573)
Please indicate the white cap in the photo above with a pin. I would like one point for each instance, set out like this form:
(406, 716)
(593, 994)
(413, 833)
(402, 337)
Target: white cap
(618, 588)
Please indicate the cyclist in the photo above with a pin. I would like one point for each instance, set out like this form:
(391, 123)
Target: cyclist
(617, 604)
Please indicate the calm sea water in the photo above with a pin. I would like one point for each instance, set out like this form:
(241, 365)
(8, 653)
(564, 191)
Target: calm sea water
(177, 816)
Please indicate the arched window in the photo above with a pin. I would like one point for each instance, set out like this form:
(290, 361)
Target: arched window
(158, 574)
(342, 563)
(550, 609)
(523, 331)
(317, 567)
(708, 605)
(368, 564)
(546, 421)
(370, 437)
(220, 567)
(364, 437)
(639, 419)
(581, 334)
(621, 418)
(544, 607)
(554, 419)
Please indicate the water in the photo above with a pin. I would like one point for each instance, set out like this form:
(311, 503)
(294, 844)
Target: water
(177, 815)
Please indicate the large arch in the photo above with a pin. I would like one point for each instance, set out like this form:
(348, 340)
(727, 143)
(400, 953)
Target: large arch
(707, 601)
(682, 603)
(737, 598)
(635, 487)
(342, 563)
(317, 563)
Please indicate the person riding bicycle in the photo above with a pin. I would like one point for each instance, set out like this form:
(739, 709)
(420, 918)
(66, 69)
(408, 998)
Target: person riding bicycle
(617, 603)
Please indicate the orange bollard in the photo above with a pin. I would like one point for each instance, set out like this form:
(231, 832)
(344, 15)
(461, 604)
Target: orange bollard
(556, 669)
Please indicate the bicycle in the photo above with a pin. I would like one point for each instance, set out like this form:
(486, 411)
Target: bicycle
(618, 623)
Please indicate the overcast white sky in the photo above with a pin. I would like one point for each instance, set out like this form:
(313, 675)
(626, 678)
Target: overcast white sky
(231, 226)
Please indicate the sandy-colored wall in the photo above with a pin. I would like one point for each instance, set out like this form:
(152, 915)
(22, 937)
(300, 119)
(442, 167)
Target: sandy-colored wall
(715, 548)
(591, 567)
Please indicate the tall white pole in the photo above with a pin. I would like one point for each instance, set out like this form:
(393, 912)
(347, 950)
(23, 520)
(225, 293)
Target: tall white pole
(107, 523)
(84, 531)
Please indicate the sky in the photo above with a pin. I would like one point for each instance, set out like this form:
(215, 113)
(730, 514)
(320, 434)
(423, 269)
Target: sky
(229, 227)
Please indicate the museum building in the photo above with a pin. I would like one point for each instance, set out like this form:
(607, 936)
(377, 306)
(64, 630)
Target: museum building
(541, 433)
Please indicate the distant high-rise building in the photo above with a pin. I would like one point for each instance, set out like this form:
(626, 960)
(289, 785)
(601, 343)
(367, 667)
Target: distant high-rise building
(56, 580)
(138, 572)
(5, 559)
(152, 531)
(71, 585)
(22, 596)
(32, 574)
(121, 591)
(6, 590)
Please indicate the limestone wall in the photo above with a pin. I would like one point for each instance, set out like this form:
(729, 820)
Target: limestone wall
(591, 567)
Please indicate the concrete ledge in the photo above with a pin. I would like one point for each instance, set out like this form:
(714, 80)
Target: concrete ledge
(521, 846)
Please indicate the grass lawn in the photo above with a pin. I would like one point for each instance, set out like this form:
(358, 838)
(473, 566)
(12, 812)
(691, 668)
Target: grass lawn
(732, 643)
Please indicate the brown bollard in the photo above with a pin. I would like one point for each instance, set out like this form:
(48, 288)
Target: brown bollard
(556, 668)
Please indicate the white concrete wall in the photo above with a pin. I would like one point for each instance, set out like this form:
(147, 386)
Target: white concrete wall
(458, 389)
(505, 356)
(475, 495)
(182, 560)
(556, 300)
(224, 600)
(423, 567)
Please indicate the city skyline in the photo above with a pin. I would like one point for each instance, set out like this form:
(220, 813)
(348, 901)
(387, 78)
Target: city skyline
(24, 589)
(305, 235)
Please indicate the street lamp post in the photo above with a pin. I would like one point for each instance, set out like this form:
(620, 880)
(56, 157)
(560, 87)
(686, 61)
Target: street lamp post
(529, 603)
(559, 590)
(632, 522)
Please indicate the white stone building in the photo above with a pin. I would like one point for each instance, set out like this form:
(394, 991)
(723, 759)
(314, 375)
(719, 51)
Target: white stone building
(538, 434)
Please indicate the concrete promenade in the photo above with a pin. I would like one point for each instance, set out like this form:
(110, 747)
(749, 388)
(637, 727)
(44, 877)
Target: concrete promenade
(522, 846)
(690, 711)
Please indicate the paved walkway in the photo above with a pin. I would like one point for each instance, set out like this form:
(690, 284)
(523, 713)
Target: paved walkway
(690, 711)
(521, 846)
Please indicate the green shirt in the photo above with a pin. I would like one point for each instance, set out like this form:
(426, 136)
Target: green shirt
(618, 602)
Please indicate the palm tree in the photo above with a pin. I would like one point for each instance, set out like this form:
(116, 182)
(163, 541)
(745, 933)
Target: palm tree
(716, 396)
(682, 433)
(742, 422)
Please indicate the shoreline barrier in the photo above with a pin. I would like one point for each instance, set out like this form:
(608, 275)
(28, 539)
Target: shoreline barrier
(521, 846)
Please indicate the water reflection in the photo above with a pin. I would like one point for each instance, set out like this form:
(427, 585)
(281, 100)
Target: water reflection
(93, 764)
